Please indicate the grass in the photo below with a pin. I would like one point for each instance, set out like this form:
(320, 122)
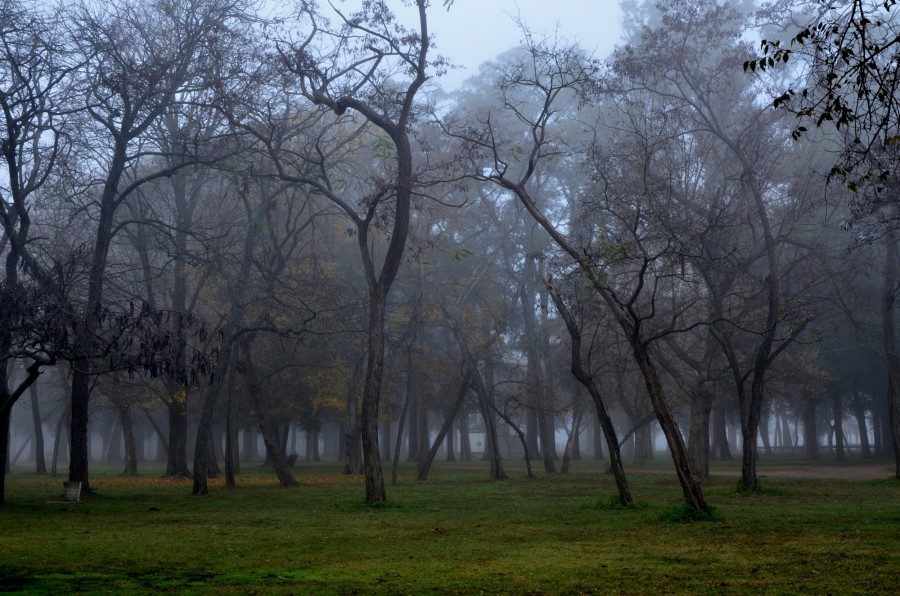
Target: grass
(456, 533)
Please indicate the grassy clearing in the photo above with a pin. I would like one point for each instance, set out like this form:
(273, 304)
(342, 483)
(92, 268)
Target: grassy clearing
(456, 533)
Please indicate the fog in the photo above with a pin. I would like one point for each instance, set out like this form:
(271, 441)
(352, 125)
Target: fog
(231, 237)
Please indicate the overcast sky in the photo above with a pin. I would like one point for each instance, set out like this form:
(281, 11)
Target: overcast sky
(474, 31)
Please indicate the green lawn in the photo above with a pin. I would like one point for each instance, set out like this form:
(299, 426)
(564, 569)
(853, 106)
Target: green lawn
(456, 533)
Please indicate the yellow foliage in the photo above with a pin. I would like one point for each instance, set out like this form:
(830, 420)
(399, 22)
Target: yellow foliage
(328, 386)
(179, 397)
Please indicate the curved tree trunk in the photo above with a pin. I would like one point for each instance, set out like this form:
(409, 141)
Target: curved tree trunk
(529, 473)
(404, 411)
(573, 439)
(584, 377)
(630, 325)
(425, 464)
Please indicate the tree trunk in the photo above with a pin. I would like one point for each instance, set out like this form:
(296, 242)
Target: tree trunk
(5, 414)
(312, 445)
(273, 445)
(573, 438)
(61, 426)
(536, 386)
(859, 412)
(838, 410)
(425, 465)
(352, 438)
(229, 336)
(889, 341)
(465, 443)
(764, 428)
(78, 426)
(413, 432)
(231, 436)
(643, 444)
(127, 420)
(424, 438)
(531, 430)
(451, 444)
(698, 435)
(111, 451)
(404, 414)
(212, 462)
(40, 464)
(386, 435)
(583, 376)
(810, 432)
(720, 448)
(176, 449)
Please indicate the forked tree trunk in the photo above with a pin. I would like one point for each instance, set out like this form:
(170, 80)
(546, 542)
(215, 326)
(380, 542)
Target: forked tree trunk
(522, 439)
(625, 318)
(425, 464)
(404, 412)
(272, 441)
(579, 370)
(570, 443)
(229, 336)
(535, 374)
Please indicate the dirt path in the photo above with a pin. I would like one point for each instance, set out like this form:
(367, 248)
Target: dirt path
(856, 470)
(832, 470)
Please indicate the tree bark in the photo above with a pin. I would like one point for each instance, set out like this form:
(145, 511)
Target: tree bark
(40, 464)
(889, 341)
(176, 445)
(698, 434)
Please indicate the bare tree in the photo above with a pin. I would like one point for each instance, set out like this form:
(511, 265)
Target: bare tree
(375, 67)
(139, 57)
(553, 76)
(34, 84)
